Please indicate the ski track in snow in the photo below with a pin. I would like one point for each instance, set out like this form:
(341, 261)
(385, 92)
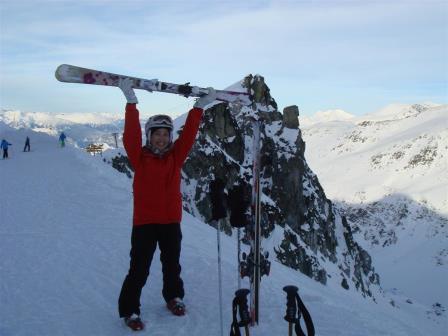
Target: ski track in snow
(65, 238)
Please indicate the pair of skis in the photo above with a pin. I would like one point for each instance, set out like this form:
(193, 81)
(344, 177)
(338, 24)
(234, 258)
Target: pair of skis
(255, 241)
(255, 264)
(251, 265)
(73, 74)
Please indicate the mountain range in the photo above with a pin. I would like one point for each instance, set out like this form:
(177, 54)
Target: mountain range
(387, 171)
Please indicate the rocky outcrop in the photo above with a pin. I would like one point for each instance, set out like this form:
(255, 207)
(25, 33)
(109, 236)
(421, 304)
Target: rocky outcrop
(291, 117)
(293, 201)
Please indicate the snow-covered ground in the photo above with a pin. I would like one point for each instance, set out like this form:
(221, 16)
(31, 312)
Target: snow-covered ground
(65, 223)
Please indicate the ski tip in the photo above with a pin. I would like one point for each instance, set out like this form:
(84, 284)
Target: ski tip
(60, 71)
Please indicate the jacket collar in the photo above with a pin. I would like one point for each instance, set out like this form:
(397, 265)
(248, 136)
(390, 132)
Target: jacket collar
(156, 152)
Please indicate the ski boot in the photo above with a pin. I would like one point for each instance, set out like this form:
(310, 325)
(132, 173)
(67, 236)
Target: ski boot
(176, 306)
(134, 322)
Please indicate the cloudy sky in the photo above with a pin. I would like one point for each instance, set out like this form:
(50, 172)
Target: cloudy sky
(354, 55)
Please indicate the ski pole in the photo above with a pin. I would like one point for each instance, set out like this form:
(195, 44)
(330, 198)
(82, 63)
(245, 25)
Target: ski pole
(218, 231)
(256, 244)
(218, 212)
(238, 247)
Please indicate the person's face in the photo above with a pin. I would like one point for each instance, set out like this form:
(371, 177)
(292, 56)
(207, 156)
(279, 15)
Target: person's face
(160, 138)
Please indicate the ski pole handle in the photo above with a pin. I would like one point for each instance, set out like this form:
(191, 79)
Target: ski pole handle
(241, 297)
(291, 305)
(290, 290)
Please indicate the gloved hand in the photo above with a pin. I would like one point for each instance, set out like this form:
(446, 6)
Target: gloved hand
(209, 98)
(125, 84)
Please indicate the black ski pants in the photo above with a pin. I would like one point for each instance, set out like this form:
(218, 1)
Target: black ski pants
(144, 240)
(5, 153)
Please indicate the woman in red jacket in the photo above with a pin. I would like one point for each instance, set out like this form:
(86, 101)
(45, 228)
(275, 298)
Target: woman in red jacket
(157, 202)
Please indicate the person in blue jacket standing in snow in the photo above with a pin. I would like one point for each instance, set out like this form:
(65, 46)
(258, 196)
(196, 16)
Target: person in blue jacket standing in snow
(27, 147)
(4, 145)
(62, 138)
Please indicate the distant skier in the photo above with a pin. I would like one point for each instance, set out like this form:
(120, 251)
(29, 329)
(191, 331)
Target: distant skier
(4, 145)
(27, 145)
(157, 202)
(62, 138)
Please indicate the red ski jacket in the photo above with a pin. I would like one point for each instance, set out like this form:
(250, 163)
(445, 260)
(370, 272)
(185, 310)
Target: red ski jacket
(157, 196)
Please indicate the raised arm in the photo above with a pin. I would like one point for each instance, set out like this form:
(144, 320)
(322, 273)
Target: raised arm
(132, 137)
(186, 139)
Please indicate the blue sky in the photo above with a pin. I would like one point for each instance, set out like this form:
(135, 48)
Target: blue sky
(354, 55)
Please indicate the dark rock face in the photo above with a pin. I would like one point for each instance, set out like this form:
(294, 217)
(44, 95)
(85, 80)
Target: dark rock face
(294, 205)
(291, 116)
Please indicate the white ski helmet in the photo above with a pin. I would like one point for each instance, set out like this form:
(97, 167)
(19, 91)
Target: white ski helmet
(159, 121)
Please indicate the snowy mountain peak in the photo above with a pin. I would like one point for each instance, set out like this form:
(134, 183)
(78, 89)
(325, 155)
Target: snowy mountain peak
(32, 119)
(384, 149)
(400, 111)
(90, 118)
(326, 116)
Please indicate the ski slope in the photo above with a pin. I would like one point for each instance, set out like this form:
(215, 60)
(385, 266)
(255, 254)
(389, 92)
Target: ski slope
(65, 224)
